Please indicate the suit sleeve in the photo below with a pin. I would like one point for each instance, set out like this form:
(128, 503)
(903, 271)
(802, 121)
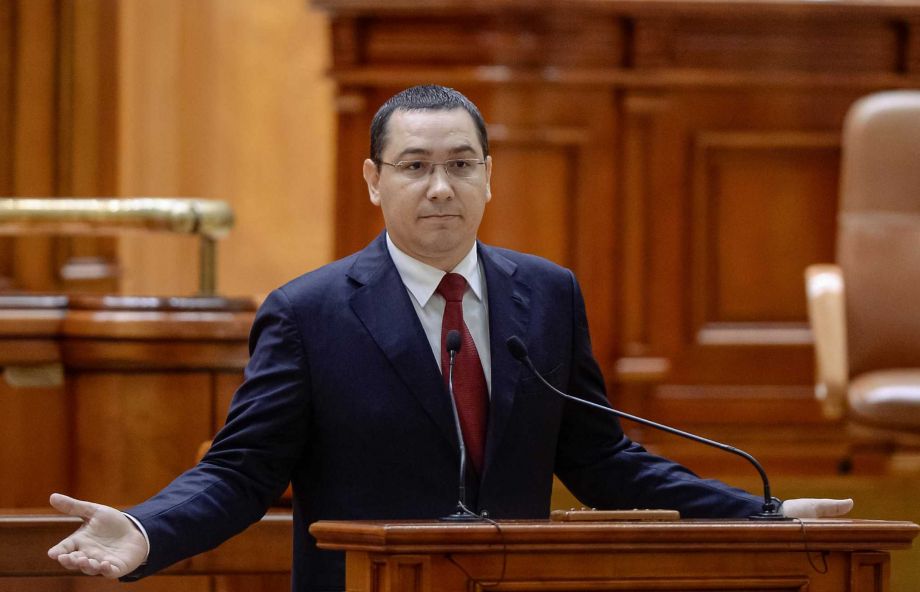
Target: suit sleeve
(251, 458)
(605, 469)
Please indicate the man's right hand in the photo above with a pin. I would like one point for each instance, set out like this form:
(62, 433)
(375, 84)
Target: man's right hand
(107, 544)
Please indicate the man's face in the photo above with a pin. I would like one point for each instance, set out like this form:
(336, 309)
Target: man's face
(433, 218)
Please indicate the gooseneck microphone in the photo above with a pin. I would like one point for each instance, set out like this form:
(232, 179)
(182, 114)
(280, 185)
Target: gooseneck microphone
(463, 513)
(769, 510)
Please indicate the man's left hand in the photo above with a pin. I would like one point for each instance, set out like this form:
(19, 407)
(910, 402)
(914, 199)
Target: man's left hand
(808, 507)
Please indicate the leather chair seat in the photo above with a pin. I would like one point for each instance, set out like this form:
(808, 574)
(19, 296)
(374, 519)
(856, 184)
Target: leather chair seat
(887, 398)
(863, 311)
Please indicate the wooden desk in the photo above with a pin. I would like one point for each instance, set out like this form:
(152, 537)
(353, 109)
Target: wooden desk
(812, 555)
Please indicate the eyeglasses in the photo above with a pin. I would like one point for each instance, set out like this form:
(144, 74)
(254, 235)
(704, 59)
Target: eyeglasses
(458, 168)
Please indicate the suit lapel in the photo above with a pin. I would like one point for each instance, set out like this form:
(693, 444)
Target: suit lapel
(382, 304)
(509, 313)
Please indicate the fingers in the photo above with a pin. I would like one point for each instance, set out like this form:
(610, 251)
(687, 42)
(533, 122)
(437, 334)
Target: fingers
(833, 507)
(78, 561)
(816, 508)
(65, 546)
(72, 506)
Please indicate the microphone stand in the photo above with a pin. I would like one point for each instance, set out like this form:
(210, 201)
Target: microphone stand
(463, 513)
(769, 510)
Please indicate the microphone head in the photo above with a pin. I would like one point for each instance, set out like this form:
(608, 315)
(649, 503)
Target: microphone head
(453, 341)
(517, 348)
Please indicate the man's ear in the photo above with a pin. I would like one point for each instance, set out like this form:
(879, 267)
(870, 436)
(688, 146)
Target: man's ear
(372, 177)
(488, 178)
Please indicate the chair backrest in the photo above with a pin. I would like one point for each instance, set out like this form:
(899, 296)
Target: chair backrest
(878, 243)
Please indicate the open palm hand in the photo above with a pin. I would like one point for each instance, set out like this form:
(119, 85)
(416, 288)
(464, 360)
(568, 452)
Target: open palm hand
(107, 543)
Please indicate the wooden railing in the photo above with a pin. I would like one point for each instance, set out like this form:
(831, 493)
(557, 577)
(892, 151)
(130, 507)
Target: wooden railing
(264, 548)
(209, 219)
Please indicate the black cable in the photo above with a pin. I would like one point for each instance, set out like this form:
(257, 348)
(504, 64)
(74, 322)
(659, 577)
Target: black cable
(501, 577)
(808, 551)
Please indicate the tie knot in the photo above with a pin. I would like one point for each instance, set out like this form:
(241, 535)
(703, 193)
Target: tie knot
(452, 287)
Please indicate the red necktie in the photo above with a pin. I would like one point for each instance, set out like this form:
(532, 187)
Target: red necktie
(470, 390)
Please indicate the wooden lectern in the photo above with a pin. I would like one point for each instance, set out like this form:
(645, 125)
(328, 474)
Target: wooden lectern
(809, 555)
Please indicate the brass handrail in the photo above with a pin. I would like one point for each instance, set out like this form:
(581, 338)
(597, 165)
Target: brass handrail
(210, 219)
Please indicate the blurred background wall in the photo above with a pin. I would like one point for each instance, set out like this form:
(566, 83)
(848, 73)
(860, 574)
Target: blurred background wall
(225, 99)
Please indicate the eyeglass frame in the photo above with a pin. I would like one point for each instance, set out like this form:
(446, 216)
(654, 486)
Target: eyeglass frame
(402, 169)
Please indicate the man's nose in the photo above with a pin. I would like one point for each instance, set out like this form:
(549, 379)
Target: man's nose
(439, 186)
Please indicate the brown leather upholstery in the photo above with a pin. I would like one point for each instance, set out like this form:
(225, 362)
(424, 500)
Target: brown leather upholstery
(878, 252)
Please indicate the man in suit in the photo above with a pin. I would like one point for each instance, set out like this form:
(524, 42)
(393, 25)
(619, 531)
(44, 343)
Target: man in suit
(346, 394)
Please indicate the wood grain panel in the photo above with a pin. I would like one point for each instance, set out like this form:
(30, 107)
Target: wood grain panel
(870, 572)
(227, 100)
(225, 385)
(732, 193)
(170, 584)
(34, 164)
(518, 38)
(33, 441)
(58, 137)
(729, 42)
(912, 46)
(136, 432)
(747, 186)
(7, 94)
(643, 112)
(526, 212)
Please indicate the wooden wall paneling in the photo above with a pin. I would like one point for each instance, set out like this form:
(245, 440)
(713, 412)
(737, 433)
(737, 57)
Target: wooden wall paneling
(89, 98)
(7, 94)
(7, 118)
(357, 220)
(136, 431)
(730, 231)
(552, 183)
(58, 137)
(156, 584)
(33, 446)
(33, 460)
(225, 385)
(777, 43)
(87, 137)
(638, 360)
(153, 107)
(722, 138)
(653, 218)
(911, 47)
(745, 274)
(227, 100)
(34, 406)
(34, 163)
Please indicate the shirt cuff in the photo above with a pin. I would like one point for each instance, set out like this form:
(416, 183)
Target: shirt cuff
(140, 527)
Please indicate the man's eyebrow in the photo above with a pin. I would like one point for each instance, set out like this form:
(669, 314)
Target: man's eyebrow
(461, 149)
(413, 152)
(423, 152)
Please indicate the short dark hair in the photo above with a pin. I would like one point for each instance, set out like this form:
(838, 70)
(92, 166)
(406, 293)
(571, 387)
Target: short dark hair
(428, 97)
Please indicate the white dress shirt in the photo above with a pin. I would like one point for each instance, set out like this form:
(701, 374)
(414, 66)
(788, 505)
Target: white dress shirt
(421, 281)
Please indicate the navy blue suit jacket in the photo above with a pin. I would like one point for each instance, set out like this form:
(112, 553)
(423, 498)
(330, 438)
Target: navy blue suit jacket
(344, 399)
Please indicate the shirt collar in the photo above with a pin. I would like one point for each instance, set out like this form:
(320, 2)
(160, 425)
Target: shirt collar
(422, 279)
